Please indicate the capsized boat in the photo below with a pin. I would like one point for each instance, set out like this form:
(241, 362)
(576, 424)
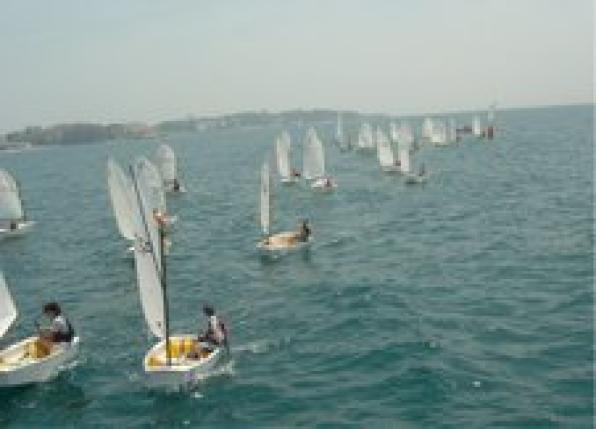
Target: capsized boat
(385, 153)
(313, 160)
(175, 361)
(29, 360)
(13, 219)
(282, 241)
(165, 160)
(283, 145)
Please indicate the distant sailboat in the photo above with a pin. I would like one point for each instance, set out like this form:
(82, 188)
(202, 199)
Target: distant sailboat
(313, 159)
(279, 242)
(13, 219)
(428, 127)
(439, 136)
(29, 361)
(385, 153)
(477, 127)
(175, 360)
(490, 128)
(452, 131)
(365, 140)
(394, 132)
(340, 139)
(165, 160)
(282, 152)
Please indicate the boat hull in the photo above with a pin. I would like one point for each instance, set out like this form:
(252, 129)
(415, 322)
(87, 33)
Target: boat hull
(282, 242)
(22, 229)
(183, 371)
(415, 179)
(321, 185)
(19, 366)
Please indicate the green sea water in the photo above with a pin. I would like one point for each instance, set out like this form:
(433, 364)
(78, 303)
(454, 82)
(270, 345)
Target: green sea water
(464, 303)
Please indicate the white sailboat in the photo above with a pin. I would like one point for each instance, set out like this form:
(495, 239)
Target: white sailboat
(428, 127)
(150, 175)
(394, 132)
(452, 131)
(282, 241)
(365, 140)
(439, 136)
(165, 160)
(476, 127)
(29, 361)
(385, 153)
(313, 159)
(184, 360)
(282, 151)
(339, 134)
(121, 196)
(13, 219)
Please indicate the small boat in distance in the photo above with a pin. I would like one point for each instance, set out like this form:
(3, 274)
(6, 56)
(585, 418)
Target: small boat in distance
(29, 361)
(366, 141)
(283, 241)
(13, 218)
(477, 127)
(165, 160)
(175, 361)
(283, 144)
(385, 153)
(313, 159)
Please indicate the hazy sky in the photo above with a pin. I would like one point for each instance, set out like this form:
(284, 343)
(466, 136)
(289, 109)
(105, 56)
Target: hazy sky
(149, 60)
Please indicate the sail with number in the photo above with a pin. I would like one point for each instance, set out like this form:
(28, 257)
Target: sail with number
(265, 199)
(147, 252)
(10, 199)
(165, 160)
(122, 197)
(384, 151)
(8, 310)
(282, 152)
(313, 157)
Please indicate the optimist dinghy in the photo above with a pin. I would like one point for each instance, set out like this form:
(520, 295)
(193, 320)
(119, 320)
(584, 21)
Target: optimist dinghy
(29, 361)
(13, 219)
(174, 361)
(283, 146)
(282, 241)
(165, 160)
(313, 159)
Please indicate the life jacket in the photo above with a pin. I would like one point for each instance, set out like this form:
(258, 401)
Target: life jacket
(65, 337)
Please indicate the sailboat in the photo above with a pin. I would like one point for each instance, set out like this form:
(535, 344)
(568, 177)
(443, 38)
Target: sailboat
(452, 138)
(410, 177)
(428, 127)
(340, 139)
(313, 159)
(490, 119)
(156, 193)
(282, 241)
(121, 196)
(28, 361)
(165, 160)
(385, 153)
(476, 127)
(282, 152)
(13, 219)
(184, 361)
(439, 135)
(365, 140)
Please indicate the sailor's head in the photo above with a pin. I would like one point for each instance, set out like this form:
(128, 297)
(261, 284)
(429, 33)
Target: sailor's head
(208, 310)
(52, 309)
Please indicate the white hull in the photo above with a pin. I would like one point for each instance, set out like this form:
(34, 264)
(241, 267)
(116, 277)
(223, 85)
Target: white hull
(322, 186)
(19, 366)
(289, 180)
(22, 229)
(183, 371)
(391, 169)
(415, 179)
(282, 242)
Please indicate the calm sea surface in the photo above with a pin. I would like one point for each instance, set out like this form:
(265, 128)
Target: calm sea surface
(465, 303)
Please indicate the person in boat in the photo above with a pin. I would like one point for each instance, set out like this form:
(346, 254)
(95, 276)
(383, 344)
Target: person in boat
(422, 171)
(304, 231)
(176, 186)
(215, 334)
(160, 218)
(60, 329)
(295, 173)
(13, 225)
(328, 183)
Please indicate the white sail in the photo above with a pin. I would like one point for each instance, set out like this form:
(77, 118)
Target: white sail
(439, 133)
(405, 135)
(122, 197)
(365, 137)
(165, 160)
(10, 200)
(8, 310)
(149, 175)
(427, 128)
(404, 159)
(147, 260)
(313, 157)
(265, 199)
(452, 130)
(384, 151)
(282, 152)
(394, 132)
(339, 130)
(476, 127)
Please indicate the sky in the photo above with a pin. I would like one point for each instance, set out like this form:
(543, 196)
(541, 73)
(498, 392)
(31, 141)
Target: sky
(152, 60)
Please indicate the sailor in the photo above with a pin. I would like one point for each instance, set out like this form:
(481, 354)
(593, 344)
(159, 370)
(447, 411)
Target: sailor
(60, 330)
(176, 185)
(216, 333)
(295, 173)
(13, 225)
(304, 231)
(160, 218)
